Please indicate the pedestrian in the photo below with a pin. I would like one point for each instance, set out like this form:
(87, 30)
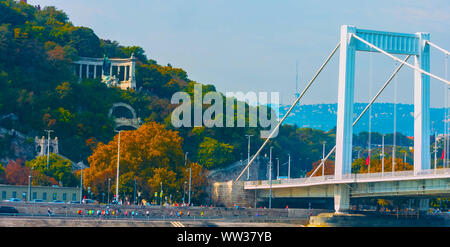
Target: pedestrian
(49, 212)
(189, 213)
(147, 213)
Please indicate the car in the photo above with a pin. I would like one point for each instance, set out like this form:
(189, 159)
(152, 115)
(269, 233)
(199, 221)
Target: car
(8, 210)
(13, 200)
(74, 202)
(57, 201)
(37, 201)
(89, 201)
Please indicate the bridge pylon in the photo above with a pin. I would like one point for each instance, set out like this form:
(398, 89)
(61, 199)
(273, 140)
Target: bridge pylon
(396, 43)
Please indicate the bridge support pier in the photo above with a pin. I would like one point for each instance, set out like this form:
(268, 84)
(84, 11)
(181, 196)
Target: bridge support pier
(341, 198)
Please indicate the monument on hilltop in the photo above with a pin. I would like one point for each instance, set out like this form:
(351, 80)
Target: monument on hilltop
(114, 72)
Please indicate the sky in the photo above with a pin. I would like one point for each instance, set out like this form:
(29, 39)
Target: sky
(254, 45)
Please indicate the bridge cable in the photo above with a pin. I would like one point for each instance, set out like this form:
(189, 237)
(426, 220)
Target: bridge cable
(399, 60)
(365, 110)
(289, 111)
(439, 48)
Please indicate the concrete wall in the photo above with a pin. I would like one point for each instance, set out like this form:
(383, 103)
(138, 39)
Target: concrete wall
(154, 211)
(229, 194)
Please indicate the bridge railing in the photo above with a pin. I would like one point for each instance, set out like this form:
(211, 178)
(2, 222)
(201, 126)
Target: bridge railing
(353, 176)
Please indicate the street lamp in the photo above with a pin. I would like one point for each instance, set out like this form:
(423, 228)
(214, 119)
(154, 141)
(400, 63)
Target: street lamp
(278, 168)
(190, 180)
(109, 181)
(29, 184)
(160, 195)
(289, 166)
(248, 156)
(117, 175)
(81, 185)
(184, 191)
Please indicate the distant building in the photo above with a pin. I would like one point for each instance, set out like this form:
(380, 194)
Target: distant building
(46, 193)
(42, 145)
(117, 72)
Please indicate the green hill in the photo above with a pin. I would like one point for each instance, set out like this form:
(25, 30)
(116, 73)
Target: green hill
(38, 85)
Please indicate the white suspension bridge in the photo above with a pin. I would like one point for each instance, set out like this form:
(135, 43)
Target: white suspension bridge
(423, 181)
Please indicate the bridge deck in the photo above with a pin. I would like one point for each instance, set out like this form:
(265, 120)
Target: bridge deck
(349, 178)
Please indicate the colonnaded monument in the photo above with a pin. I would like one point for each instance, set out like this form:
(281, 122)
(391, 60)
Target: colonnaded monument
(115, 72)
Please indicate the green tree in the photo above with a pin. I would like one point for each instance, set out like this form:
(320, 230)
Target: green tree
(214, 154)
(59, 169)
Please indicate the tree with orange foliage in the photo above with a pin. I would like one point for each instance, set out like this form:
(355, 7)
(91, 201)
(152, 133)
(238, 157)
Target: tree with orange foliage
(329, 168)
(16, 173)
(142, 151)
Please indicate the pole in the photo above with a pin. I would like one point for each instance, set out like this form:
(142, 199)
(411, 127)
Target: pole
(289, 166)
(81, 186)
(117, 175)
(29, 184)
(382, 156)
(270, 178)
(184, 190)
(190, 174)
(435, 152)
(48, 146)
(160, 196)
(248, 156)
(323, 160)
(278, 168)
(134, 194)
(109, 181)
(190, 182)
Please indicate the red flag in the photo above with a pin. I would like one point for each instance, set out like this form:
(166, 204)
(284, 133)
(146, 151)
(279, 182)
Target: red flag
(443, 154)
(367, 160)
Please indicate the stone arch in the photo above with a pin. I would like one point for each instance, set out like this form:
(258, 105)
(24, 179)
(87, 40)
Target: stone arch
(122, 105)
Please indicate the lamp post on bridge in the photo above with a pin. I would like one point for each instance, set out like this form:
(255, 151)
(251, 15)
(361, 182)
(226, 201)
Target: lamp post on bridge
(248, 156)
(270, 178)
(289, 166)
(323, 160)
(382, 156)
(435, 152)
(278, 168)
